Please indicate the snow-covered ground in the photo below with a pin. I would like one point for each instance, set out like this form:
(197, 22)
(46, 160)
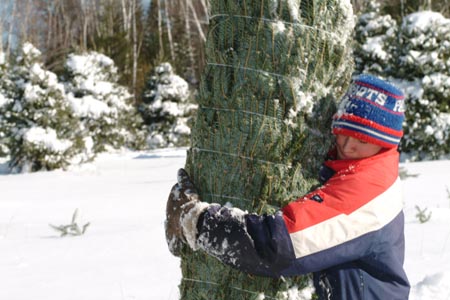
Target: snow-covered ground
(123, 254)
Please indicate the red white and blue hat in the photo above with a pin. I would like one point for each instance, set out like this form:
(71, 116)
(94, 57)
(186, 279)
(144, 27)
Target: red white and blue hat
(372, 110)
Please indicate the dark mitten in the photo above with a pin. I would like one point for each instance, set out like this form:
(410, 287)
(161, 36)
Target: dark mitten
(182, 198)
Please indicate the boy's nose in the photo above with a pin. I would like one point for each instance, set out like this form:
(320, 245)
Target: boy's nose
(348, 144)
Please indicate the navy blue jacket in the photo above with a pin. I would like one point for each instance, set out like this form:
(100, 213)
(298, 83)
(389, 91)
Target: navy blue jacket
(349, 233)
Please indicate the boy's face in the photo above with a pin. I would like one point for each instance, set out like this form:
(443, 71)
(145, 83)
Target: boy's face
(350, 148)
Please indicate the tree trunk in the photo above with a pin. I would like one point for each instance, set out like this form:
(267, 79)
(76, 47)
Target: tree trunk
(50, 21)
(197, 21)
(274, 70)
(135, 48)
(25, 11)
(1, 32)
(160, 31)
(169, 29)
(10, 29)
(126, 19)
(204, 6)
(85, 21)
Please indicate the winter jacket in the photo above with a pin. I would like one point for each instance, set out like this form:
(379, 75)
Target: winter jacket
(349, 233)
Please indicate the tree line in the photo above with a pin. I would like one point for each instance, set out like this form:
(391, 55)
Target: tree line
(137, 37)
(150, 44)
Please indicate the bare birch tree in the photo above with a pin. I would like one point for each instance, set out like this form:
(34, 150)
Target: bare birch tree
(169, 28)
(2, 20)
(197, 20)
(10, 29)
(187, 24)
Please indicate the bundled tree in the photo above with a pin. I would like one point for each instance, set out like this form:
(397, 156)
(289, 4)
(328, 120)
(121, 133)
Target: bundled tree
(108, 118)
(43, 132)
(266, 98)
(166, 108)
(425, 63)
(376, 41)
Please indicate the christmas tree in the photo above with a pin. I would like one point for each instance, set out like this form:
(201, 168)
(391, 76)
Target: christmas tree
(6, 99)
(43, 134)
(274, 70)
(424, 53)
(108, 117)
(166, 108)
(376, 40)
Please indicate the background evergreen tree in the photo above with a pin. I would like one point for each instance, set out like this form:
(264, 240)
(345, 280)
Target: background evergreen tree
(418, 61)
(166, 108)
(43, 132)
(424, 45)
(376, 41)
(425, 67)
(6, 99)
(108, 118)
(274, 70)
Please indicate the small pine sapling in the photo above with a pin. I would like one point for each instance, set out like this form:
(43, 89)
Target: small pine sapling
(404, 173)
(73, 228)
(422, 215)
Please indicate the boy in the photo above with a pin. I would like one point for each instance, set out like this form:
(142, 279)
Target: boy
(349, 232)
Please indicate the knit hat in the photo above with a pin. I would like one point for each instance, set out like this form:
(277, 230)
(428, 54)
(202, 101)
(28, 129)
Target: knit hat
(372, 110)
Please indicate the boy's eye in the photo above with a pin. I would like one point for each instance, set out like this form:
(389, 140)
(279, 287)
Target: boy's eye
(362, 142)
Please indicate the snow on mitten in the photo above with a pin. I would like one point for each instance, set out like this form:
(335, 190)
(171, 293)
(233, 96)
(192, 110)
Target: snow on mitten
(189, 219)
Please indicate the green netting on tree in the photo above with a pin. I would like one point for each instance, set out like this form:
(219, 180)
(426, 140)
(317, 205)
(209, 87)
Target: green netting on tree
(274, 70)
